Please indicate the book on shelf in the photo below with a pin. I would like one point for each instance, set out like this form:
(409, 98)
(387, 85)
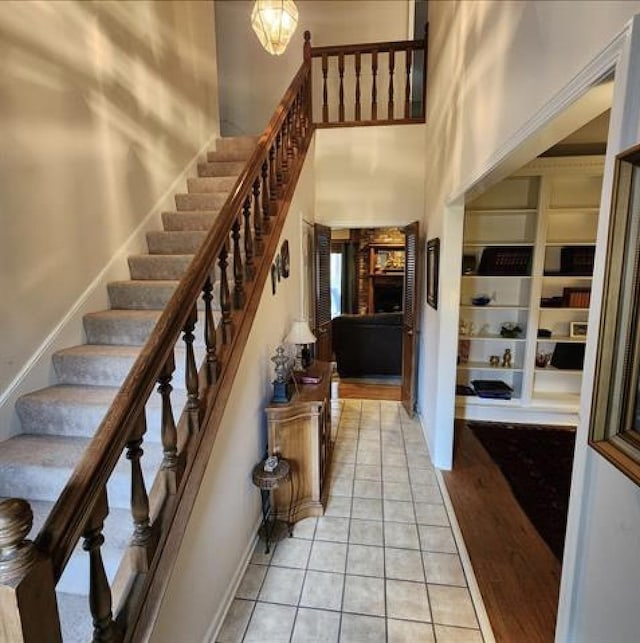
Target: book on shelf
(503, 261)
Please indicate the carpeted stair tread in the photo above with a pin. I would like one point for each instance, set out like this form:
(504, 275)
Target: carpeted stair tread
(104, 365)
(77, 411)
(220, 168)
(180, 242)
(38, 466)
(141, 294)
(75, 617)
(201, 201)
(145, 294)
(211, 183)
(158, 267)
(193, 221)
(237, 156)
(120, 327)
(244, 143)
(94, 364)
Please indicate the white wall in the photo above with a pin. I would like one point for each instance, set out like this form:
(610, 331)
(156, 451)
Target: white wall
(224, 518)
(103, 105)
(493, 67)
(370, 176)
(252, 81)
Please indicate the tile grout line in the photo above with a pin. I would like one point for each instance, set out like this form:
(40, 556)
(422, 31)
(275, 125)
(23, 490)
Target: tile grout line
(420, 544)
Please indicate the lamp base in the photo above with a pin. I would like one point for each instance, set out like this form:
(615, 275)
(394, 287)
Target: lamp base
(282, 392)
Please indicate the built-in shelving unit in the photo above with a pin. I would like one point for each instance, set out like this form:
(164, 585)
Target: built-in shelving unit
(528, 247)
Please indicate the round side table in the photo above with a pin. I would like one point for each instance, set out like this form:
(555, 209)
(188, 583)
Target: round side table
(267, 481)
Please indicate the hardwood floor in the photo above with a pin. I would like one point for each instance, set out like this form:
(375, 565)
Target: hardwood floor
(518, 576)
(359, 390)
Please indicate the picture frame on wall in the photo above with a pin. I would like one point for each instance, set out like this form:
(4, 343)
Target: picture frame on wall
(615, 408)
(433, 268)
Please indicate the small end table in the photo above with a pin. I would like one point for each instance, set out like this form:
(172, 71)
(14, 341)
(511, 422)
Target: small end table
(267, 481)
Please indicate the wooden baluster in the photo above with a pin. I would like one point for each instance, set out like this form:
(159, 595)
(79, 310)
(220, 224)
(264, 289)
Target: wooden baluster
(168, 431)
(28, 610)
(273, 180)
(308, 99)
(374, 86)
(290, 141)
(141, 552)
(225, 297)
(279, 166)
(210, 335)
(257, 218)
(358, 112)
(265, 198)
(104, 628)
(296, 134)
(325, 95)
(392, 64)
(407, 87)
(238, 276)
(249, 271)
(425, 60)
(191, 370)
(341, 90)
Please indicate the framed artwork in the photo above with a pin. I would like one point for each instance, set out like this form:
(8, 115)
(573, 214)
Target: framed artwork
(577, 329)
(433, 267)
(286, 261)
(614, 430)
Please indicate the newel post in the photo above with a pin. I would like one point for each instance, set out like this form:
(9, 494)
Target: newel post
(306, 55)
(28, 608)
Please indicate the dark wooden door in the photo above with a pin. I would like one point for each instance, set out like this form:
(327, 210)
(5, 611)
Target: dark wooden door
(410, 321)
(322, 329)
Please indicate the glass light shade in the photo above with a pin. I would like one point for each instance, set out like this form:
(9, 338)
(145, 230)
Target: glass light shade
(300, 333)
(274, 22)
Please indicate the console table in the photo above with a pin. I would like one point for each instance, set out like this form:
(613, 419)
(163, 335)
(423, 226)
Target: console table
(300, 431)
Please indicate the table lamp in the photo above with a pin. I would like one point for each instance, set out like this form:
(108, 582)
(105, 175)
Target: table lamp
(301, 336)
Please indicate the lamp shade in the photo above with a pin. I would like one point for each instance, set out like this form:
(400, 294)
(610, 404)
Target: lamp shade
(274, 22)
(300, 333)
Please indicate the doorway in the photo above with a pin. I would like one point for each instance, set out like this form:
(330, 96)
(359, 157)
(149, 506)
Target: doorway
(547, 213)
(367, 291)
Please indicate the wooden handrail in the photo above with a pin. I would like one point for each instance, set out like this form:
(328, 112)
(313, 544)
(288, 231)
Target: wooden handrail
(367, 48)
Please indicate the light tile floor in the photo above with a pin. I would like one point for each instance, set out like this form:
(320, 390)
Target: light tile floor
(381, 565)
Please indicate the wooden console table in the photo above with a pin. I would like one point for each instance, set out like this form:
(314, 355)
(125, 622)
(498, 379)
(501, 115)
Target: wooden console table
(300, 431)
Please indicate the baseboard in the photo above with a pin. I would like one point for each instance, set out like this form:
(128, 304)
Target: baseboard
(37, 371)
(218, 619)
(472, 583)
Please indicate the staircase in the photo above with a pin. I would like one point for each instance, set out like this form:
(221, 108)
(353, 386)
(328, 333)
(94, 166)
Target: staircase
(58, 421)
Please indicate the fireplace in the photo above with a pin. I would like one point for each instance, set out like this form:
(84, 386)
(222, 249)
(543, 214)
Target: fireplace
(387, 294)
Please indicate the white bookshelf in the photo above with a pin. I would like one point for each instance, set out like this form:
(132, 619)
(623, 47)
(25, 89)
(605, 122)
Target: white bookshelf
(549, 205)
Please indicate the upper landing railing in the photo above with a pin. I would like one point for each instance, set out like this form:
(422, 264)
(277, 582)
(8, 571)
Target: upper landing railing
(380, 83)
(228, 273)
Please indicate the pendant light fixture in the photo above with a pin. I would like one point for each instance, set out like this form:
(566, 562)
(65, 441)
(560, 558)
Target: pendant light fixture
(274, 22)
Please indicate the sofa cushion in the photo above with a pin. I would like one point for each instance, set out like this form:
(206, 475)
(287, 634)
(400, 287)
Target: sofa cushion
(368, 345)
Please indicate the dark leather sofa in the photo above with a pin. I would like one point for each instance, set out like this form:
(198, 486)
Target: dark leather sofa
(367, 345)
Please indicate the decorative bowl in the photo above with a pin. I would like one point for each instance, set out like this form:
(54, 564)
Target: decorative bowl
(480, 300)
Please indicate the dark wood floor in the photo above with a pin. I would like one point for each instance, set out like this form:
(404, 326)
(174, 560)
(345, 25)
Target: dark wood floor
(518, 576)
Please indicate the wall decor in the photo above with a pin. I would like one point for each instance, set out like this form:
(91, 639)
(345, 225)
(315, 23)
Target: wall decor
(274, 278)
(578, 329)
(615, 407)
(285, 259)
(278, 266)
(433, 267)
